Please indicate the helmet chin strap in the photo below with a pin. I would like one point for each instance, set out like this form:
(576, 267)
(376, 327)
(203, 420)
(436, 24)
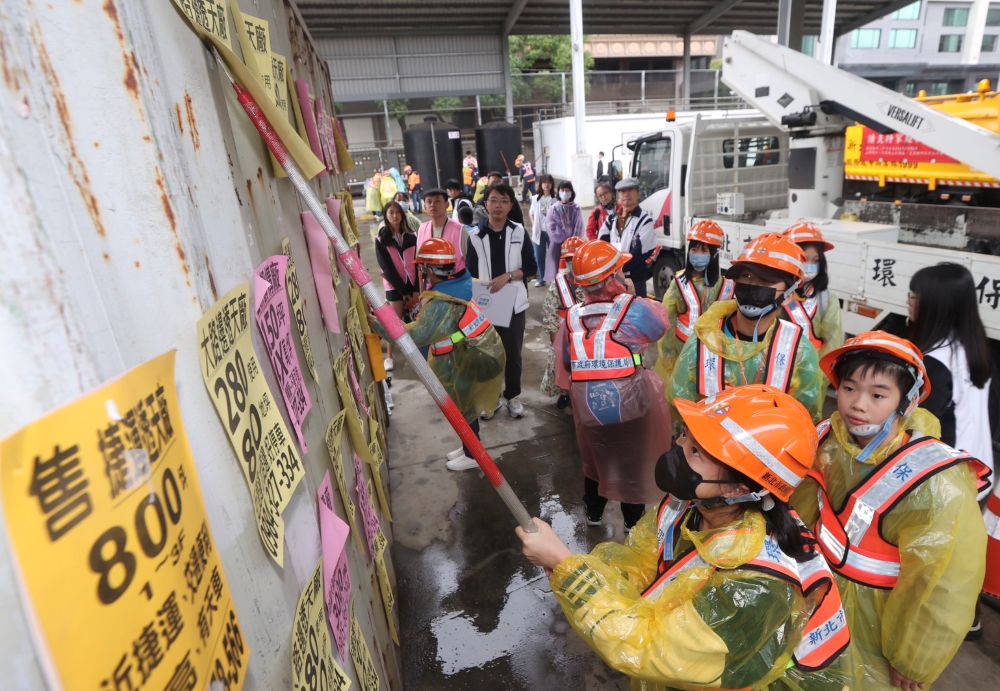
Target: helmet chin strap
(763, 496)
(776, 305)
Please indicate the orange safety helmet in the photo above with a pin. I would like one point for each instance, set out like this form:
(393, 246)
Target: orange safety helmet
(570, 246)
(436, 252)
(774, 252)
(708, 232)
(806, 233)
(756, 430)
(596, 261)
(887, 346)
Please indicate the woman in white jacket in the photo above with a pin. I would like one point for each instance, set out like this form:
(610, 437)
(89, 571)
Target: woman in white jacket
(541, 204)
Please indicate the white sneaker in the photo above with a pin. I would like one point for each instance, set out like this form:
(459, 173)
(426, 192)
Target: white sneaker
(487, 415)
(388, 364)
(457, 453)
(515, 408)
(462, 462)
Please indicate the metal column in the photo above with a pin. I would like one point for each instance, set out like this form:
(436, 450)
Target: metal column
(790, 16)
(388, 126)
(826, 37)
(479, 111)
(686, 73)
(579, 90)
(508, 87)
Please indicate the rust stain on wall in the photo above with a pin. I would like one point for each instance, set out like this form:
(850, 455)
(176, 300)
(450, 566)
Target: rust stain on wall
(168, 211)
(137, 264)
(76, 168)
(211, 280)
(180, 119)
(107, 256)
(250, 193)
(192, 123)
(131, 79)
(10, 76)
(238, 197)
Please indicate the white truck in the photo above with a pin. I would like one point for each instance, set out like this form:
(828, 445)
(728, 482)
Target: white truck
(809, 105)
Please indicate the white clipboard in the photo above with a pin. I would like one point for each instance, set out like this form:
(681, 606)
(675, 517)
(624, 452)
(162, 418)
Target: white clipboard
(498, 306)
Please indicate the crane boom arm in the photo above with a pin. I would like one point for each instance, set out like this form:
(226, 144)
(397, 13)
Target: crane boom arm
(804, 95)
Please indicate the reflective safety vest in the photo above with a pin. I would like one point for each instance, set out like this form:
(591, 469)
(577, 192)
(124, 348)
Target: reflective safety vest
(692, 303)
(851, 537)
(567, 295)
(778, 364)
(595, 355)
(802, 312)
(826, 634)
(472, 325)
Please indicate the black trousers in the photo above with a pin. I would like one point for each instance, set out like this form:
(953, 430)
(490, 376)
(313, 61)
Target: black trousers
(475, 428)
(513, 339)
(595, 504)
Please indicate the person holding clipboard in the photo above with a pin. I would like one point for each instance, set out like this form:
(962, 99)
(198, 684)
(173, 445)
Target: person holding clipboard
(501, 258)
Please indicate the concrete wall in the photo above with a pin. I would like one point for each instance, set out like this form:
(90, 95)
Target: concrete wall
(134, 192)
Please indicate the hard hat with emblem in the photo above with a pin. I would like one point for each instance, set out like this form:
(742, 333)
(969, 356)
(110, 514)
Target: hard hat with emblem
(570, 246)
(806, 233)
(596, 261)
(882, 345)
(773, 251)
(708, 232)
(436, 252)
(758, 431)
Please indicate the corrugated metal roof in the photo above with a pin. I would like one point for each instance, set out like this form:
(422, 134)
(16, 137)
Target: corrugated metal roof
(331, 18)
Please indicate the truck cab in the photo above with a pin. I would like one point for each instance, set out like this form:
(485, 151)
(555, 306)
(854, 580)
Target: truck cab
(733, 151)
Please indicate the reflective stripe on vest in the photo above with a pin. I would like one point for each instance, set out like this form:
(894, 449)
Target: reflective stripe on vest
(472, 324)
(826, 634)
(595, 355)
(851, 538)
(728, 290)
(692, 301)
(802, 313)
(567, 296)
(779, 362)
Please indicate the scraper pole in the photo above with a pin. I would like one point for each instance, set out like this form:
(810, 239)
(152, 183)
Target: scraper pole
(383, 312)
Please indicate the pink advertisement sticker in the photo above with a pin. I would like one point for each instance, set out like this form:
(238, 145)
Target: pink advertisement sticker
(336, 576)
(274, 319)
(319, 260)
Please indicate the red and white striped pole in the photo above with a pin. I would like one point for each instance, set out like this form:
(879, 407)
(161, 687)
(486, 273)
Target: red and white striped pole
(383, 312)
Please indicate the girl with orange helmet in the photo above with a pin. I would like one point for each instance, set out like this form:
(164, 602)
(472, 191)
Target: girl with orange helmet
(466, 353)
(692, 291)
(722, 586)
(561, 295)
(621, 417)
(813, 305)
(745, 341)
(895, 513)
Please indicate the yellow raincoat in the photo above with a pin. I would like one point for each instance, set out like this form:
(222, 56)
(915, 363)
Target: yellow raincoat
(669, 347)
(828, 323)
(472, 373)
(917, 626)
(718, 626)
(807, 379)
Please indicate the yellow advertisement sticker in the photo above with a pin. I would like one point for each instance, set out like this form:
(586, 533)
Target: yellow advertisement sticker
(122, 580)
(363, 663)
(249, 414)
(388, 597)
(334, 436)
(313, 664)
(355, 427)
(298, 312)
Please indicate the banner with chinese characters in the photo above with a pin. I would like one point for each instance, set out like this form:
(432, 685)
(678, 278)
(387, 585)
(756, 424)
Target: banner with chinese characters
(274, 320)
(270, 462)
(121, 577)
(313, 664)
(298, 311)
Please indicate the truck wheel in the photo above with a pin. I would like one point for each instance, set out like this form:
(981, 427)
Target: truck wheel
(663, 272)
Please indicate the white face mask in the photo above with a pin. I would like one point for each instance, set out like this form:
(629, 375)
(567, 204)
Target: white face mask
(405, 206)
(565, 195)
(810, 271)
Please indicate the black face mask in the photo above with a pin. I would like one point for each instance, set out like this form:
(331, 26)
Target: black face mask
(677, 478)
(755, 301)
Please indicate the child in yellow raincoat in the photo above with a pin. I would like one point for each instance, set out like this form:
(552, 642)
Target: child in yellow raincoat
(466, 353)
(722, 586)
(814, 304)
(745, 341)
(692, 291)
(895, 513)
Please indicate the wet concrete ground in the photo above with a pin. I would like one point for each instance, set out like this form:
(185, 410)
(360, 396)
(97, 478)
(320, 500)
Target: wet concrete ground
(473, 613)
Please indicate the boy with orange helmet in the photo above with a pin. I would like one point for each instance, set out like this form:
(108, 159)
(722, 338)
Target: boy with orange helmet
(895, 513)
(744, 341)
(621, 416)
(465, 351)
(694, 289)
(722, 587)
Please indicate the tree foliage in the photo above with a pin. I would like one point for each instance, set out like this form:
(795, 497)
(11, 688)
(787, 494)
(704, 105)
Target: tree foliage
(445, 107)
(534, 59)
